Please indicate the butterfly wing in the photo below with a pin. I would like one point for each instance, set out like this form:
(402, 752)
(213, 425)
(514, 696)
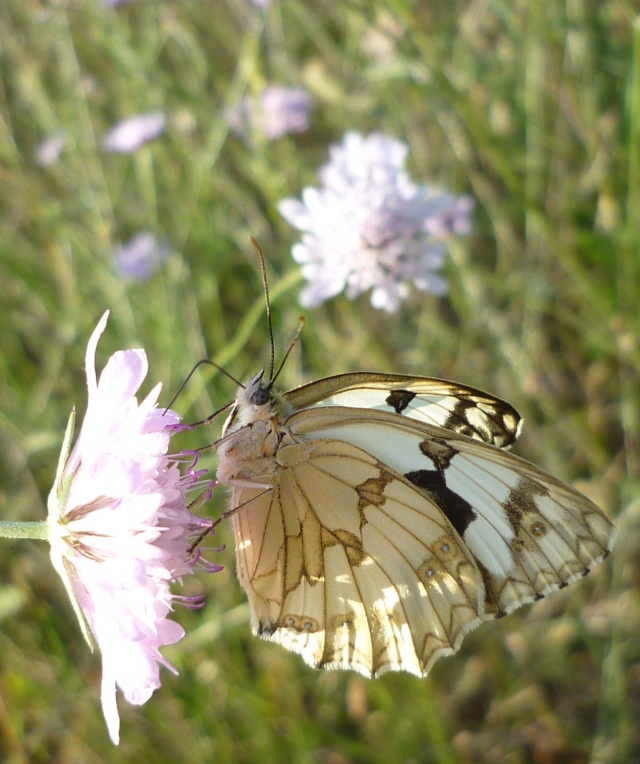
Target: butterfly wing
(356, 569)
(384, 540)
(455, 407)
(528, 532)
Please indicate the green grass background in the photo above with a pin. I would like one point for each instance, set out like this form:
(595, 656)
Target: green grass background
(531, 107)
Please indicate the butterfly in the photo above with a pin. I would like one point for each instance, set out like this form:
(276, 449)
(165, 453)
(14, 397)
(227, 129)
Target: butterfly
(378, 518)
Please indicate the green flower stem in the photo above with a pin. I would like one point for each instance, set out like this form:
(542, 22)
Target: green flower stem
(15, 530)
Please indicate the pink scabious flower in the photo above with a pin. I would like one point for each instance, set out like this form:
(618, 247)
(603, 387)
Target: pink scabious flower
(129, 134)
(274, 113)
(120, 530)
(371, 227)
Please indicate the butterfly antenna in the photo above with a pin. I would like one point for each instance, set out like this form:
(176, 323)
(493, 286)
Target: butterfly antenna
(192, 372)
(265, 284)
(294, 339)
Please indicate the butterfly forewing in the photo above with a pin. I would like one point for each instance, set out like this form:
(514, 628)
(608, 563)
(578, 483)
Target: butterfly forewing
(455, 407)
(375, 525)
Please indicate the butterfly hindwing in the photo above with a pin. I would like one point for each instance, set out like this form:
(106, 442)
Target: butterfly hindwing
(260, 552)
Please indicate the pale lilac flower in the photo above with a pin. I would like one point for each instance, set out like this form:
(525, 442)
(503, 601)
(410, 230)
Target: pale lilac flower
(140, 257)
(129, 134)
(120, 529)
(276, 112)
(371, 227)
(261, 3)
(50, 149)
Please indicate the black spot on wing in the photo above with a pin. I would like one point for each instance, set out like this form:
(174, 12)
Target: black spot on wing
(457, 510)
(399, 400)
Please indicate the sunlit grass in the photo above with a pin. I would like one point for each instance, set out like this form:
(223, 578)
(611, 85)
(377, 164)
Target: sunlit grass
(534, 109)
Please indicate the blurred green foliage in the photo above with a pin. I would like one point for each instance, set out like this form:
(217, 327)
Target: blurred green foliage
(531, 107)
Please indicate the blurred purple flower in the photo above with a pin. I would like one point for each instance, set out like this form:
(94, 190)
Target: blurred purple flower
(49, 149)
(129, 134)
(140, 257)
(261, 3)
(277, 111)
(371, 227)
(120, 529)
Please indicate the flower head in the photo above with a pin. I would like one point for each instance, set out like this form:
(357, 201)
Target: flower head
(129, 134)
(274, 113)
(120, 530)
(371, 227)
(139, 257)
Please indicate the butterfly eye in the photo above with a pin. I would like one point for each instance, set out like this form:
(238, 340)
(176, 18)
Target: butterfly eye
(260, 396)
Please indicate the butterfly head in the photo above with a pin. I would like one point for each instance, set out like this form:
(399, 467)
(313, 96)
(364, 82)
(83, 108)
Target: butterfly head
(256, 401)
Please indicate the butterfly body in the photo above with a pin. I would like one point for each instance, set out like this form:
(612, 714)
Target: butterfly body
(378, 518)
